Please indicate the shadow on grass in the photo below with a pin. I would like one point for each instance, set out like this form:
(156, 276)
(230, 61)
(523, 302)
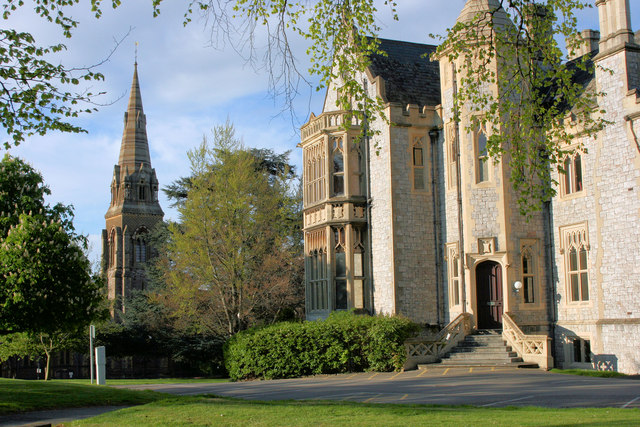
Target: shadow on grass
(208, 410)
(24, 396)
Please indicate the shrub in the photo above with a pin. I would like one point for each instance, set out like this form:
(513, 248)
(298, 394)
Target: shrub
(345, 342)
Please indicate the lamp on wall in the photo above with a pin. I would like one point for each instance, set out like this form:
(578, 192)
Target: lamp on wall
(517, 285)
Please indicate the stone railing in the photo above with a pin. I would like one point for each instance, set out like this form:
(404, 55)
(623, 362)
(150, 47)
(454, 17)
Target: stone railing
(431, 349)
(532, 348)
(332, 119)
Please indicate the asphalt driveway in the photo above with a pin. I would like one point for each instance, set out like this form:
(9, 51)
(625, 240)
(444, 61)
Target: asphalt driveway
(451, 386)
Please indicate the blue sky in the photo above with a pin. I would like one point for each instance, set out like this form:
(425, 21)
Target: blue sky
(187, 88)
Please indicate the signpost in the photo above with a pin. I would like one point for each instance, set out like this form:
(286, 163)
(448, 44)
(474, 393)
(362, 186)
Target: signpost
(92, 335)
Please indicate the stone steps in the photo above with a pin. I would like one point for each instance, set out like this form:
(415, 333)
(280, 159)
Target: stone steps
(484, 348)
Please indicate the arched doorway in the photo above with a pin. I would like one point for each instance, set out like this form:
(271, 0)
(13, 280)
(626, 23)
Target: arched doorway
(489, 295)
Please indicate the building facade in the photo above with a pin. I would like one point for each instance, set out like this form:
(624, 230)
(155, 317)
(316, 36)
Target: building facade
(134, 209)
(419, 221)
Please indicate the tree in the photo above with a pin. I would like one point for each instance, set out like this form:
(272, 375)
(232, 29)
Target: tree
(526, 115)
(232, 260)
(46, 287)
(267, 160)
(513, 47)
(36, 95)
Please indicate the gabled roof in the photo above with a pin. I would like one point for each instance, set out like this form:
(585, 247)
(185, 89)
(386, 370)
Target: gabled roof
(410, 76)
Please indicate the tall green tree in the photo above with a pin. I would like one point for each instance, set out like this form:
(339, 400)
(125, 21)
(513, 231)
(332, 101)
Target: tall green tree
(46, 287)
(232, 260)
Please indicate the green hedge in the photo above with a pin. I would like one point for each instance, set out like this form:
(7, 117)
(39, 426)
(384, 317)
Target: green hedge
(345, 342)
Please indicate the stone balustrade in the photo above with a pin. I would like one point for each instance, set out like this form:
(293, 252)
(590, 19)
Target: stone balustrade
(532, 348)
(431, 349)
(326, 121)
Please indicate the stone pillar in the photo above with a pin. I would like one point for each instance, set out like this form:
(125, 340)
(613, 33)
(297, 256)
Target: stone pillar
(615, 23)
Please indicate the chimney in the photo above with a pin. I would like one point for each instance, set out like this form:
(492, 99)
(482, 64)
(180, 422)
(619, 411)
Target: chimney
(615, 23)
(587, 41)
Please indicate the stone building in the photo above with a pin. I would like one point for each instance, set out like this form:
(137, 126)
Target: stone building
(419, 221)
(134, 209)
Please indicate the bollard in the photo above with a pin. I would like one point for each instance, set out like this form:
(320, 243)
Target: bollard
(101, 365)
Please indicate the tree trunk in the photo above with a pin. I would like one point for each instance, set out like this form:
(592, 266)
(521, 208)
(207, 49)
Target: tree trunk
(46, 368)
(47, 352)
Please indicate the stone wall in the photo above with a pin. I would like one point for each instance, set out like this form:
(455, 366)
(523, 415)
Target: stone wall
(610, 207)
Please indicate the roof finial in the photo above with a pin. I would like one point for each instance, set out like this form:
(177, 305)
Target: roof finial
(136, 55)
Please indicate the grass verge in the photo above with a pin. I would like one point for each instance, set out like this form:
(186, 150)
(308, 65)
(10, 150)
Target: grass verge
(232, 412)
(24, 396)
(589, 373)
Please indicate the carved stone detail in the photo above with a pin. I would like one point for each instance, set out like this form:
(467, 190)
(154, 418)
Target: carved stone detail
(486, 245)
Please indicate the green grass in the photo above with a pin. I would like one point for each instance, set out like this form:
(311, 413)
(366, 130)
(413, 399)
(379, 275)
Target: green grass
(147, 381)
(23, 396)
(589, 373)
(233, 412)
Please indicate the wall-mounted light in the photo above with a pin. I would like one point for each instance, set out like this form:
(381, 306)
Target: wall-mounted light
(517, 285)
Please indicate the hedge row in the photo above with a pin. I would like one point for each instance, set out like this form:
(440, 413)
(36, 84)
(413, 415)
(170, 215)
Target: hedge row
(345, 342)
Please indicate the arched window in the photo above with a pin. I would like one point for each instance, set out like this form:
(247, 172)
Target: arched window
(572, 182)
(338, 167)
(575, 246)
(340, 257)
(112, 248)
(140, 246)
(453, 268)
(141, 250)
(482, 159)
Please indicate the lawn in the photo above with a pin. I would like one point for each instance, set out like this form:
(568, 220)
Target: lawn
(232, 412)
(23, 396)
(591, 373)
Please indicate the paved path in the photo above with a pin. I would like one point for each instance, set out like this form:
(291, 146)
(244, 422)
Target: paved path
(55, 416)
(455, 386)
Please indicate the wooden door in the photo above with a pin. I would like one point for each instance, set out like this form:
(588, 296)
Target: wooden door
(489, 295)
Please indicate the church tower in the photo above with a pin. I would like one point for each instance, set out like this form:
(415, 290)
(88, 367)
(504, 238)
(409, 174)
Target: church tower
(134, 209)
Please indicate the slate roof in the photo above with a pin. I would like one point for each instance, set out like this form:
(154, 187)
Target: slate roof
(410, 76)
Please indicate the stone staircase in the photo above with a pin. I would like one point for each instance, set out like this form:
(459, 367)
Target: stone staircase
(483, 348)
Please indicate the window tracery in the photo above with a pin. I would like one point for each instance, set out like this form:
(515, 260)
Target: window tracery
(340, 273)
(575, 246)
(337, 155)
(317, 268)
(314, 173)
(482, 158)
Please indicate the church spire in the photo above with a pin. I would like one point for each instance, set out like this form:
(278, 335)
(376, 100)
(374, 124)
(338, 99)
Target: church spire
(134, 150)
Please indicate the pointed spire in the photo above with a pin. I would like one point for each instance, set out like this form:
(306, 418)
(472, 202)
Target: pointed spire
(134, 150)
